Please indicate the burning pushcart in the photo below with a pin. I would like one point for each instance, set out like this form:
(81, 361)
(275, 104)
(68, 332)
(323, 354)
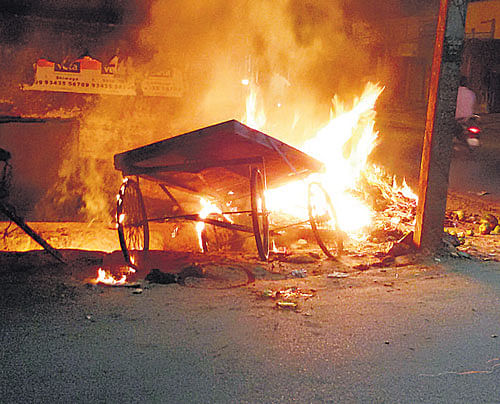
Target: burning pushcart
(229, 163)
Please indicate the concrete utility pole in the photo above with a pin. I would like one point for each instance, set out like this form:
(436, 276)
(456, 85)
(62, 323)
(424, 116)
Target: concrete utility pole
(439, 129)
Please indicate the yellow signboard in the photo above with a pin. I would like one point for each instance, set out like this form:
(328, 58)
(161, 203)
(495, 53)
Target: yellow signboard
(483, 20)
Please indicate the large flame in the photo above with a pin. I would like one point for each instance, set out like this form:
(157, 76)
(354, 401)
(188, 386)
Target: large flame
(343, 145)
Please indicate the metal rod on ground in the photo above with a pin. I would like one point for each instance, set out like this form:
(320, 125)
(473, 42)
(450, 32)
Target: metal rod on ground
(439, 129)
(4, 209)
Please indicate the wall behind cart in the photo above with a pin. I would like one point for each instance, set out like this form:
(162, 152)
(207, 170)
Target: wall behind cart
(37, 150)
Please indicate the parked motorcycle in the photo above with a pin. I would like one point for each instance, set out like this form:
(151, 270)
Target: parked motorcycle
(467, 134)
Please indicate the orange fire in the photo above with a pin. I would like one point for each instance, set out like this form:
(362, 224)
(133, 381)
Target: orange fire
(343, 145)
(207, 207)
(278, 250)
(255, 116)
(105, 277)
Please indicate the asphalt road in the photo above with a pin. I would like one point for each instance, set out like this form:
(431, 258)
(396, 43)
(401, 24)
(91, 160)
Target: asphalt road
(418, 334)
(480, 173)
(400, 149)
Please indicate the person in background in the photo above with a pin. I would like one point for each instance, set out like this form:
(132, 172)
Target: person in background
(465, 117)
(466, 101)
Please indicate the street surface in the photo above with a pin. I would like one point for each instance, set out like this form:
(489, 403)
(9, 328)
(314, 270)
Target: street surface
(423, 333)
(401, 147)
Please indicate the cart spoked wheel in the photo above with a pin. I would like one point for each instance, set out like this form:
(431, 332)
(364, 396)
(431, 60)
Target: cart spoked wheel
(260, 217)
(323, 221)
(133, 228)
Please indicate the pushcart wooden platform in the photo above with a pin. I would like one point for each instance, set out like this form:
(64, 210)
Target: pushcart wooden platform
(229, 163)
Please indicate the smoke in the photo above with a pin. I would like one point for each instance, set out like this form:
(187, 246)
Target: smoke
(298, 52)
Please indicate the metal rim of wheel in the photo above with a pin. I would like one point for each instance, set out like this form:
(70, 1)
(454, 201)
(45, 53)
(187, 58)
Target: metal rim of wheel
(323, 219)
(133, 227)
(260, 218)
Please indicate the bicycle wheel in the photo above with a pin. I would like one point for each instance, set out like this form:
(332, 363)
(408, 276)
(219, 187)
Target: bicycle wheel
(323, 221)
(260, 218)
(133, 228)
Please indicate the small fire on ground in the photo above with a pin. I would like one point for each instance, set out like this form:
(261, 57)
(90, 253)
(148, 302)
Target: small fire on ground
(107, 277)
(104, 276)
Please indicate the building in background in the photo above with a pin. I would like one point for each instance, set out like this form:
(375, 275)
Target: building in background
(481, 57)
(403, 59)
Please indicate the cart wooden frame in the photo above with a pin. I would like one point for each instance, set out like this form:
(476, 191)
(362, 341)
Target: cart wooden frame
(224, 161)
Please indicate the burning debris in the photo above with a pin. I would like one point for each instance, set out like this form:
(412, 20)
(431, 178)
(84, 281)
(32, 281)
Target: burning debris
(369, 204)
(105, 277)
